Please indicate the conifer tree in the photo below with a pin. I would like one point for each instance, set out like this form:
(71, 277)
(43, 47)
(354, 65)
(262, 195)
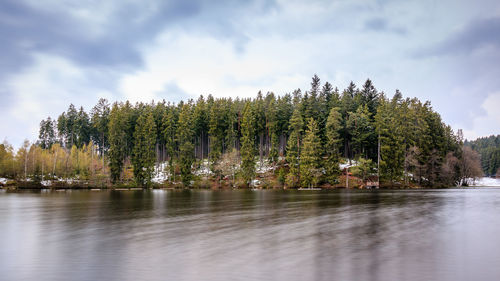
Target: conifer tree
(117, 142)
(47, 134)
(333, 128)
(293, 149)
(143, 157)
(310, 156)
(247, 144)
(185, 135)
(99, 122)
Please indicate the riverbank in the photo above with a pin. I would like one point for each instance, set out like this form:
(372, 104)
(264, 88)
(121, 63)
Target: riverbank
(260, 183)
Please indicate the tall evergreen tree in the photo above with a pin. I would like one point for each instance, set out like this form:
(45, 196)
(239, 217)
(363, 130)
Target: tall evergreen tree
(293, 149)
(247, 144)
(99, 122)
(333, 129)
(47, 134)
(311, 163)
(185, 134)
(143, 157)
(117, 142)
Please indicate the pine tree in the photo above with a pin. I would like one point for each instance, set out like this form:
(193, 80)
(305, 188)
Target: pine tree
(310, 156)
(143, 157)
(117, 142)
(47, 134)
(361, 129)
(293, 149)
(185, 135)
(247, 145)
(333, 128)
(99, 122)
(170, 120)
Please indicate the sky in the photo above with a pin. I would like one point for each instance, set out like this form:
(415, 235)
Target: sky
(54, 53)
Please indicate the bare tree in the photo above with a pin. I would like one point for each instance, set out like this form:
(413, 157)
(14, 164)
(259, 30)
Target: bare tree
(471, 166)
(228, 164)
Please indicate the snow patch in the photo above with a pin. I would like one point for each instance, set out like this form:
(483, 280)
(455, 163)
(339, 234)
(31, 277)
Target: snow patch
(487, 182)
(347, 165)
(204, 169)
(3, 181)
(46, 183)
(263, 166)
(161, 173)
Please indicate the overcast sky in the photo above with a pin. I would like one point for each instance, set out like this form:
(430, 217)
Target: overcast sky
(54, 53)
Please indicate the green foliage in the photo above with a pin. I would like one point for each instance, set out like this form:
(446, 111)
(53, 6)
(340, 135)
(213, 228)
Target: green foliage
(143, 157)
(489, 150)
(363, 169)
(416, 147)
(293, 149)
(117, 141)
(47, 133)
(333, 129)
(185, 134)
(247, 145)
(311, 163)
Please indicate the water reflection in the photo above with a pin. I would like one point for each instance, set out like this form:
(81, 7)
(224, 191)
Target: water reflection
(250, 235)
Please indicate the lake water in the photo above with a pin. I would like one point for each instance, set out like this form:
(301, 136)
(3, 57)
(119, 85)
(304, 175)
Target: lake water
(251, 235)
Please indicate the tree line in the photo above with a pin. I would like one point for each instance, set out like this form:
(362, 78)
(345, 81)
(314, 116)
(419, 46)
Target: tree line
(303, 136)
(489, 150)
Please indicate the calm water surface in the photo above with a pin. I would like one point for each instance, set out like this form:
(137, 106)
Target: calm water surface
(251, 235)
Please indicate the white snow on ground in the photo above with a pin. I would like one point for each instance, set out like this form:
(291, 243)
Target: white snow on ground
(263, 166)
(204, 168)
(46, 183)
(347, 165)
(161, 173)
(487, 182)
(3, 180)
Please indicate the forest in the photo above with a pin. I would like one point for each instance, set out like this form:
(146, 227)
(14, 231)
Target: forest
(312, 138)
(489, 150)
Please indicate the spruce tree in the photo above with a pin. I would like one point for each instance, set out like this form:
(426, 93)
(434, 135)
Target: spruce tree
(247, 145)
(333, 128)
(99, 122)
(310, 156)
(293, 149)
(185, 135)
(117, 142)
(143, 157)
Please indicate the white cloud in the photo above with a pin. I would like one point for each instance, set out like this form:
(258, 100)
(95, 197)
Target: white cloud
(45, 89)
(204, 65)
(483, 124)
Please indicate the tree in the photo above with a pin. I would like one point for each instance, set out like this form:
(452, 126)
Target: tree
(311, 156)
(82, 129)
(170, 119)
(247, 145)
(333, 129)
(99, 122)
(363, 169)
(47, 134)
(228, 164)
(185, 134)
(293, 149)
(143, 157)
(361, 129)
(117, 141)
(470, 166)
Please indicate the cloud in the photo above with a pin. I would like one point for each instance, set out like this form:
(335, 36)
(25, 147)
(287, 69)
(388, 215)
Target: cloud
(381, 24)
(490, 118)
(45, 89)
(476, 35)
(57, 52)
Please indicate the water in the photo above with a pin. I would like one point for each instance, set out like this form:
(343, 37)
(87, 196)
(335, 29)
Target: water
(251, 235)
